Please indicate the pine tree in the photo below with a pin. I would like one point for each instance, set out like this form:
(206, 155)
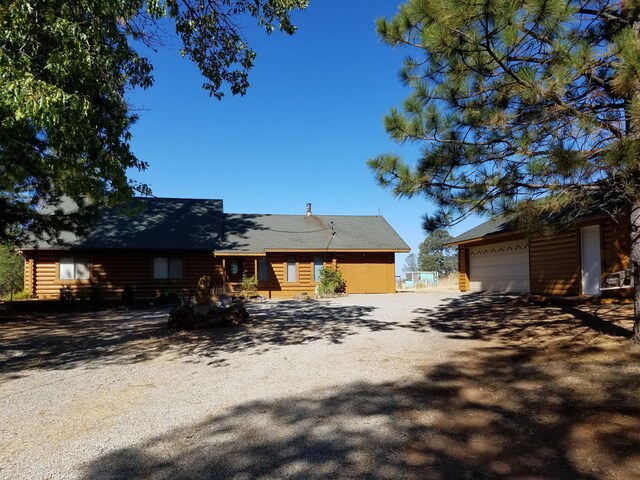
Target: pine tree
(410, 264)
(11, 271)
(514, 102)
(434, 256)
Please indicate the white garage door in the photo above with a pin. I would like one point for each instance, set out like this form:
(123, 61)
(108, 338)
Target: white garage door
(500, 267)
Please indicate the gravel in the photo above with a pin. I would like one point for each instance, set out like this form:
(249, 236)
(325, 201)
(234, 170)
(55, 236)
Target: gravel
(305, 390)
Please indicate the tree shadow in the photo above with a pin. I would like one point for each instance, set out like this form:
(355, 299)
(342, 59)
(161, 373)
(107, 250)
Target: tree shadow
(63, 341)
(68, 340)
(274, 324)
(543, 395)
(488, 413)
(510, 318)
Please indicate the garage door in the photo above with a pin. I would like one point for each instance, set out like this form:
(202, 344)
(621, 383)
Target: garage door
(368, 272)
(500, 267)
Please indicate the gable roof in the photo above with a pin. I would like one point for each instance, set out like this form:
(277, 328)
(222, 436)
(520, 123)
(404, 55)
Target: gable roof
(199, 224)
(263, 232)
(495, 226)
(149, 224)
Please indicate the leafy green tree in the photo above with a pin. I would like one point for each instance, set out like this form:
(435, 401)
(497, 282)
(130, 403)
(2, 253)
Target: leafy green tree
(410, 264)
(434, 256)
(513, 102)
(11, 271)
(65, 67)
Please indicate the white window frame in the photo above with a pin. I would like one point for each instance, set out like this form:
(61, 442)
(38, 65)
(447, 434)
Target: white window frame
(291, 267)
(75, 268)
(168, 268)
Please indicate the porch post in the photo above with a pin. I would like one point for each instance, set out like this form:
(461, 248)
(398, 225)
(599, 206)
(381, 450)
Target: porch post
(224, 270)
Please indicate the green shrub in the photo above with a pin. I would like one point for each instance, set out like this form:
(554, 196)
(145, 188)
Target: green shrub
(21, 295)
(249, 285)
(330, 282)
(128, 296)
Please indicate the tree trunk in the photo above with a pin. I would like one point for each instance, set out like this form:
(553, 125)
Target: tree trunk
(635, 266)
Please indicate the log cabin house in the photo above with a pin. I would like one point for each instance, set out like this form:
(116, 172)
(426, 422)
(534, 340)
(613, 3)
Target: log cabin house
(166, 244)
(582, 260)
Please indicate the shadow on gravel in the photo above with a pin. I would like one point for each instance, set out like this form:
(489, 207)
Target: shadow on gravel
(71, 340)
(277, 324)
(509, 317)
(510, 409)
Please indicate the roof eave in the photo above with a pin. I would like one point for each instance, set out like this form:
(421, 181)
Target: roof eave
(496, 236)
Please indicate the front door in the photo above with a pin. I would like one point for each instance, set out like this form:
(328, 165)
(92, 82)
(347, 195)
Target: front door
(590, 256)
(234, 269)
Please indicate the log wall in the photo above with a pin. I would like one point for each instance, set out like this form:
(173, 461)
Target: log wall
(369, 272)
(112, 270)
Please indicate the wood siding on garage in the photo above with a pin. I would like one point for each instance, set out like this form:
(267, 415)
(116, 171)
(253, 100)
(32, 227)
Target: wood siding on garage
(368, 272)
(463, 268)
(555, 264)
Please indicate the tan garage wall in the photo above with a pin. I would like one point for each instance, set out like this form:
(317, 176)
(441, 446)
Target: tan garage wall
(368, 272)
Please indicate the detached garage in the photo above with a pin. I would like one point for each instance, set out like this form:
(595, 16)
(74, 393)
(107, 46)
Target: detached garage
(499, 267)
(495, 256)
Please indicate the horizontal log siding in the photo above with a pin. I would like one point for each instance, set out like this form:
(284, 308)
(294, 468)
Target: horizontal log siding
(113, 270)
(616, 249)
(368, 272)
(463, 268)
(616, 245)
(278, 287)
(554, 264)
(29, 275)
(373, 272)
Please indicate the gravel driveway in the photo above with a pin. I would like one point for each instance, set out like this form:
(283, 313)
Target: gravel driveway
(305, 390)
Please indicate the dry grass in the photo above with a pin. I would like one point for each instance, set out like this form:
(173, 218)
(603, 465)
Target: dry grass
(445, 283)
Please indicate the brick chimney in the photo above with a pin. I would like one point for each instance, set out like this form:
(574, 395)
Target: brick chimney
(309, 210)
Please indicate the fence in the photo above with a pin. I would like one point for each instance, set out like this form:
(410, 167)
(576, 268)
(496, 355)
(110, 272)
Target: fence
(420, 279)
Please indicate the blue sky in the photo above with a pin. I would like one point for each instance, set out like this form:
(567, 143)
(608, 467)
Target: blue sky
(303, 133)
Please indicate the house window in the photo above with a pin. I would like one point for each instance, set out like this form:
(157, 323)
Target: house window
(292, 273)
(263, 269)
(167, 268)
(317, 265)
(73, 268)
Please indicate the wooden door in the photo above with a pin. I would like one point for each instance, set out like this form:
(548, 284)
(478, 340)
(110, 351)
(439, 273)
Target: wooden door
(235, 267)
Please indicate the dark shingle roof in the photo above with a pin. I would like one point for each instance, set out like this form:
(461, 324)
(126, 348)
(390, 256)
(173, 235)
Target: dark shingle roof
(190, 224)
(151, 224)
(258, 233)
(491, 227)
